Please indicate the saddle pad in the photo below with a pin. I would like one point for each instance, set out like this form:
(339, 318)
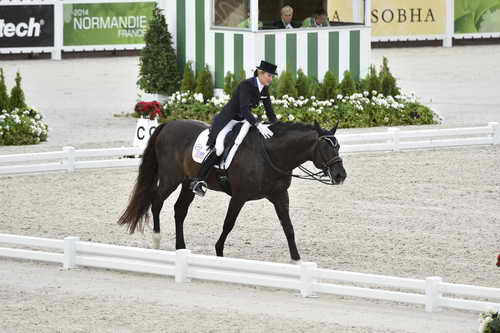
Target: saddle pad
(200, 149)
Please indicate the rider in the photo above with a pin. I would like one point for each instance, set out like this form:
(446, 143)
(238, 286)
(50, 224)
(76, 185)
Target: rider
(246, 96)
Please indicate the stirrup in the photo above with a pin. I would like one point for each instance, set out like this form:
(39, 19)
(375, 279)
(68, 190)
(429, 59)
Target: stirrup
(199, 187)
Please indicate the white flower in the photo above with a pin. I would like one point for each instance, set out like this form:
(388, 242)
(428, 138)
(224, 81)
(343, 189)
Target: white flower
(291, 117)
(313, 98)
(278, 116)
(374, 93)
(311, 109)
(340, 96)
(199, 97)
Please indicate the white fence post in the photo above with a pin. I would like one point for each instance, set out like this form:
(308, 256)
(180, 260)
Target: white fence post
(432, 293)
(395, 138)
(69, 160)
(496, 132)
(307, 278)
(56, 53)
(70, 252)
(450, 24)
(181, 265)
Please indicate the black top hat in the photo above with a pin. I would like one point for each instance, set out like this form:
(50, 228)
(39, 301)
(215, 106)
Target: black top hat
(267, 67)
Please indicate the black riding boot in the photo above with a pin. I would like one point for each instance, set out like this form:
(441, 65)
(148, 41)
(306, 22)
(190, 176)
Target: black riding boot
(199, 183)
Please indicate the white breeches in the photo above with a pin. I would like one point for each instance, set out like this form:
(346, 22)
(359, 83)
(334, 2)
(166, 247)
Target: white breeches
(219, 142)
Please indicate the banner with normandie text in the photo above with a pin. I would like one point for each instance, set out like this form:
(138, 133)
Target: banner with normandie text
(397, 17)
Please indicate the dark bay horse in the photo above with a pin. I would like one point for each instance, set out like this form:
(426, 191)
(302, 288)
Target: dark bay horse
(260, 169)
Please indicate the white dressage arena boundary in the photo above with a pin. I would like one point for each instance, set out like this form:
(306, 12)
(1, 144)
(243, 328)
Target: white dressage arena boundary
(393, 139)
(432, 292)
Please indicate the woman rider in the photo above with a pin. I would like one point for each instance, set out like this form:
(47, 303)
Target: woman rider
(247, 95)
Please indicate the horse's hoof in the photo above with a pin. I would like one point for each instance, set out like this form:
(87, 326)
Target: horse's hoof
(156, 240)
(296, 262)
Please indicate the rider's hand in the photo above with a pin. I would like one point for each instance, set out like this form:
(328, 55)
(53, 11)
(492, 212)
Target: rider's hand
(264, 130)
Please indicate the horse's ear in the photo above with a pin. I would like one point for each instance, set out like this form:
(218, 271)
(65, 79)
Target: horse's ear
(334, 128)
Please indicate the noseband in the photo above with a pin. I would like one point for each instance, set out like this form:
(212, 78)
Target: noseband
(326, 164)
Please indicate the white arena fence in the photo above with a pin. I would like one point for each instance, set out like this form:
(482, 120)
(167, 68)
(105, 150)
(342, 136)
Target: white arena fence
(432, 293)
(393, 139)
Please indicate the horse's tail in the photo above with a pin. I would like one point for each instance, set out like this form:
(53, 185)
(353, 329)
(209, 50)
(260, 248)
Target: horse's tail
(145, 188)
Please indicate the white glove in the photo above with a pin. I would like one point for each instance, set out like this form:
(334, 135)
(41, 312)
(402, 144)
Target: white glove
(264, 130)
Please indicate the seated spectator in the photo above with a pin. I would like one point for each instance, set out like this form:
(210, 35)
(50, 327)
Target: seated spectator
(286, 19)
(319, 19)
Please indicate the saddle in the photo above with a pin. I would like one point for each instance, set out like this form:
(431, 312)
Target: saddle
(232, 142)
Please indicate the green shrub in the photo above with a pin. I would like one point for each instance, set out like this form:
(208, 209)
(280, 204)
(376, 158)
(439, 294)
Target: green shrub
(204, 84)
(302, 84)
(188, 81)
(159, 72)
(388, 84)
(329, 87)
(273, 88)
(17, 100)
(287, 85)
(347, 86)
(314, 88)
(4, 97)
(228, 84)
(373, 81)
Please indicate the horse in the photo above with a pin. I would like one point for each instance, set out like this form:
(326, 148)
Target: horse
(260, 169)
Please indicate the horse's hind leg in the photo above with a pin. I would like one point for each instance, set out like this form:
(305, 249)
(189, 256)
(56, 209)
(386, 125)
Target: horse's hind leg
(163, 191)
(181, 208)
(231, 215)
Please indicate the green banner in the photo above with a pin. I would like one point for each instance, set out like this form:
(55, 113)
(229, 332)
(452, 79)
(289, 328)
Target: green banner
(477, 16)
(106, 23)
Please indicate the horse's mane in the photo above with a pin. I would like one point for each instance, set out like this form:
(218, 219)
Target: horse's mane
(281, 128)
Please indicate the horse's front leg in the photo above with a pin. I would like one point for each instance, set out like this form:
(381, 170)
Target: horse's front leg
(233, 210)
(281, 205)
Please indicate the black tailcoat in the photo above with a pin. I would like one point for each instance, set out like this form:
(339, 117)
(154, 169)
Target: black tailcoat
(244, 99)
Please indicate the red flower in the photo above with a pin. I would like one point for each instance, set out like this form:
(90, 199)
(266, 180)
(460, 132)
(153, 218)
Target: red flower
(498, 261)
(148, 109)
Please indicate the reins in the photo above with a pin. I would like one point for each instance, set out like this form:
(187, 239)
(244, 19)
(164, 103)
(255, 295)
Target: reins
(309, 174)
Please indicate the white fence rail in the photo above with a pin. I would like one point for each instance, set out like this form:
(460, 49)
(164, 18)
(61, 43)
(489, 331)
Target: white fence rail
(306, 277)
(393, 139)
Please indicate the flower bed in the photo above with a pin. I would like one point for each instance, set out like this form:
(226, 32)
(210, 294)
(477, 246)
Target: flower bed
(357, 110)
(22, 127)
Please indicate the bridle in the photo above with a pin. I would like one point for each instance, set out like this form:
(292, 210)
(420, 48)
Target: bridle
(325, 165)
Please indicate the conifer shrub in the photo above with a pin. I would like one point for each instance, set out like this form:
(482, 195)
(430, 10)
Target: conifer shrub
(17, 100)
(314, 88)
(388, 85)
(159, 72)
(302, 83)
(347, 87)
(204, 84)
(4, 96)
(287, 85)
(329, 87)
(188, 80)
(228, 83)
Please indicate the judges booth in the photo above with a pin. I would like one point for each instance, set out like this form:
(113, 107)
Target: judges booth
(231, 35)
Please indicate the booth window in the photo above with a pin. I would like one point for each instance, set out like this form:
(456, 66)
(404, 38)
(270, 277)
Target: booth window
(339, 12)
(231, 13)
